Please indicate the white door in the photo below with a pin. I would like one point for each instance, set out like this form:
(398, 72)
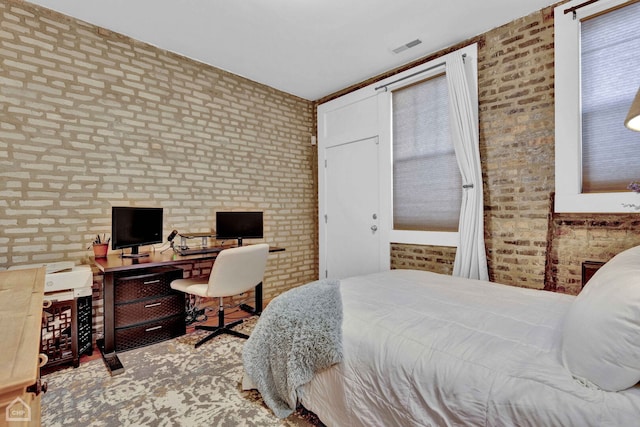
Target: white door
(352, 209)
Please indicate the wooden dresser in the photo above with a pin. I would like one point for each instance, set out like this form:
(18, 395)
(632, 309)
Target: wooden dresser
(21, 299)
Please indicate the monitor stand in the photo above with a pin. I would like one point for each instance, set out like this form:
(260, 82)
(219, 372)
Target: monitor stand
(135, 254)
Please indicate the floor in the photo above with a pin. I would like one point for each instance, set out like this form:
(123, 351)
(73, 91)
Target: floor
(231, 315)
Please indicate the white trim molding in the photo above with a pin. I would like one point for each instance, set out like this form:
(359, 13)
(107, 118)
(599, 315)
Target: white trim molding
(568, 146)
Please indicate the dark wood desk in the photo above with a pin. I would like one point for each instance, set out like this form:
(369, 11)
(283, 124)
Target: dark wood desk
(114, 264)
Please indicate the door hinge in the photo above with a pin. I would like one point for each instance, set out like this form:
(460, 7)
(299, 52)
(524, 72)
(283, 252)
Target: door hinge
(325, 218)
(326, 274)
(325, 163)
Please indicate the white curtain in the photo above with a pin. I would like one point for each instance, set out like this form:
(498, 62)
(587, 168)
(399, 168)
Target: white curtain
(471, 258)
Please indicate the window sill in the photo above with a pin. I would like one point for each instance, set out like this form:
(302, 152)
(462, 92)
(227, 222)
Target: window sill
(432, 238)
(597, 203)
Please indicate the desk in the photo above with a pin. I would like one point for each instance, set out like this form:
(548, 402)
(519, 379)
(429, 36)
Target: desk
(114, 265)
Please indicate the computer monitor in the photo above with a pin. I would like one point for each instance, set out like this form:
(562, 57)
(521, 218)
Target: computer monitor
(132, 227)
(239, 225)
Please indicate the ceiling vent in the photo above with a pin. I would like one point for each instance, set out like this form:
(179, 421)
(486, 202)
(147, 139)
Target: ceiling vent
(409, 45)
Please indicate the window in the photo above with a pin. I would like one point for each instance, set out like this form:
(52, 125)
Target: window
(421, 184)
(426, 181)
(596, 81)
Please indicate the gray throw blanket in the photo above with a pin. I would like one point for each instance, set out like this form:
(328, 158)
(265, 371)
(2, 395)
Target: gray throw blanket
(298, 334)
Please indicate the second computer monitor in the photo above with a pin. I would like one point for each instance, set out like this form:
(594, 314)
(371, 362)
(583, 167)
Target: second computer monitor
(239, 225)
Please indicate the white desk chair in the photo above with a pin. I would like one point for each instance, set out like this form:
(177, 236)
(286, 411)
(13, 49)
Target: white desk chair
(234, 271)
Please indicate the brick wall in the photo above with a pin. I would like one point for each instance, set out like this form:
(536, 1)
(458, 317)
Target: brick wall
(91, 119)
(438, 259)
(526, 244)
(578, 238)
(516, 103)
(516, 112)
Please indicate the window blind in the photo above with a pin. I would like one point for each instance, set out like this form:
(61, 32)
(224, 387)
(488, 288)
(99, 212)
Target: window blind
(427, 184)
(610, 62)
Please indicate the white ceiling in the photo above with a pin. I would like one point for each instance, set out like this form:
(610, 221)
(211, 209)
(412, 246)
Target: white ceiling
(309, 48)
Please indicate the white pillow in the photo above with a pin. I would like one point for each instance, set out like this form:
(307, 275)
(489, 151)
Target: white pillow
(601, 337)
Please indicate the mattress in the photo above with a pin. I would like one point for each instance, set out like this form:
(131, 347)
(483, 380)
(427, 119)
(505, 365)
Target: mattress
(425, 349)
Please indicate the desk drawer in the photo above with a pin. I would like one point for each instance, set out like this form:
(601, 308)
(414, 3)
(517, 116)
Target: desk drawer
(127, 314)
(156, 283)
(149, 333)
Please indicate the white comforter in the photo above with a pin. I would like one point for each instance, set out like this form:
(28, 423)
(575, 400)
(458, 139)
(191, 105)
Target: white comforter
(423, 349)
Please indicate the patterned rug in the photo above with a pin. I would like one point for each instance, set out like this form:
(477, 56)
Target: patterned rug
(165, 384)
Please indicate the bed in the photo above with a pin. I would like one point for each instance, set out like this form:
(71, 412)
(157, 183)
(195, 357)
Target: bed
(424, 349)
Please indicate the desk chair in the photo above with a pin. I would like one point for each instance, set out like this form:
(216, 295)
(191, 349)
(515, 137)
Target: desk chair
(234, 271)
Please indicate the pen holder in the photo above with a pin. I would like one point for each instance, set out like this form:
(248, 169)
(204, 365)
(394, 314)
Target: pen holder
(100, 250)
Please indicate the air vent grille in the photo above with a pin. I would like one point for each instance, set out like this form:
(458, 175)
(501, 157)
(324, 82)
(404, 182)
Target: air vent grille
(406, 46)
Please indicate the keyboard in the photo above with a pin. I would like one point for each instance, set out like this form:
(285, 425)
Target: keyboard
(199, 251)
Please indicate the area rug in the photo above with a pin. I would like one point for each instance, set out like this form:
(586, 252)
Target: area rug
(165, 384)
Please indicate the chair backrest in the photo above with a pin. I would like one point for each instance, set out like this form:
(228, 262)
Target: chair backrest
(236, 270)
